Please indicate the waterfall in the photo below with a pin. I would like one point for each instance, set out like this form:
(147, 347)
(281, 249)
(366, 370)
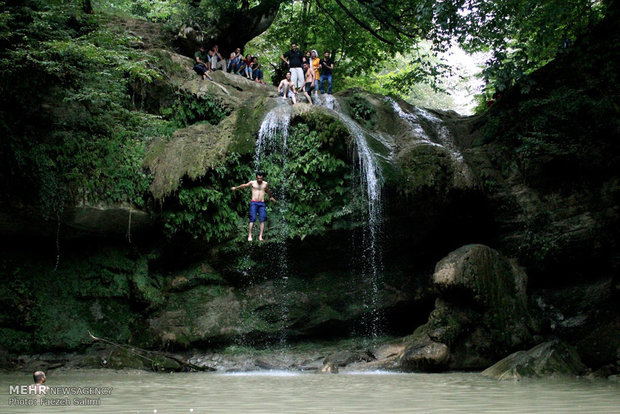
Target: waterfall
(371, 180)
(326, 100)
(443, 137)
(273, 136)
(276, 121)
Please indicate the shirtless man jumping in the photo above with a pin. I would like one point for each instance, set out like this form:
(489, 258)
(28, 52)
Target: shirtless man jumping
(259, 188)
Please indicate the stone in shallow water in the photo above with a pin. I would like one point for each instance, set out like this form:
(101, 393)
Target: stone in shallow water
(544, 360)
(425, 355)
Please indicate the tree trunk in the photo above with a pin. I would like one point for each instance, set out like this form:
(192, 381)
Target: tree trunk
(236, 28)
(87, 7)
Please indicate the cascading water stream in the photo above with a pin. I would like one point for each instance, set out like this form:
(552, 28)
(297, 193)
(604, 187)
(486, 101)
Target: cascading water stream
(371, 180)
(327, 101)
(276, 121)
(440, 130)
(272, 137)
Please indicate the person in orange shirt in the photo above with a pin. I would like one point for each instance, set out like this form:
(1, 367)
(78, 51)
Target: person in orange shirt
(315, 65)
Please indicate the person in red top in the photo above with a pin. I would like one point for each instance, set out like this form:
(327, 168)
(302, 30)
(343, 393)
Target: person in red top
(248, 66)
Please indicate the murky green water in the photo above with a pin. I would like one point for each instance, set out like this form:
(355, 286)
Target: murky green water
(283, 392)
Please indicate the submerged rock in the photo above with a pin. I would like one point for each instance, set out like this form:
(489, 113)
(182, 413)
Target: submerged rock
(546, 359)
(424, 354)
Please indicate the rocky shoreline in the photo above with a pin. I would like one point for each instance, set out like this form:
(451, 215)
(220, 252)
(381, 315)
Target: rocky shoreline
(547, 360)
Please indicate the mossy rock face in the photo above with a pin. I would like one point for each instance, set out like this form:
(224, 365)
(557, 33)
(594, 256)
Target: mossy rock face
(425, 167)
(320, 305)
(494, 281)
(191, 152)
(199, 148)
(481, 314)
(549, 359)
(105, 219)
(249, 118)
(97, 291)
(202, 314)
(421, 353)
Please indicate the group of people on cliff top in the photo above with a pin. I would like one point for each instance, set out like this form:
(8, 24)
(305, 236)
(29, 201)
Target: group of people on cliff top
(209, 61)
(307, 72)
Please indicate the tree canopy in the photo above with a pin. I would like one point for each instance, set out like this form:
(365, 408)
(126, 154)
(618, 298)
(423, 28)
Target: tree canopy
(72, 129)
(521, 35)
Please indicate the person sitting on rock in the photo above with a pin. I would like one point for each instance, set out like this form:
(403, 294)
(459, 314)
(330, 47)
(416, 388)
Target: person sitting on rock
(233, 62)
(201, 58)
(216, 61)
(286, 88)
(257, 72)
(259, 188)
(248, 66)
(239, 66)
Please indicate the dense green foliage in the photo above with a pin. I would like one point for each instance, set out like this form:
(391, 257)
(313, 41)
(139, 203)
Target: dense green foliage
(208, 209)
(58, 308)
(524, 35)
(520, 35)
(69, 129)
(361, 109)
(72, 112)
(310, 180)
(187, 109)
(311, 177)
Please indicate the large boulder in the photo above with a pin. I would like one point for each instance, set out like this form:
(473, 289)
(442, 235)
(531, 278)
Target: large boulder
(481, 313)
(547, 359)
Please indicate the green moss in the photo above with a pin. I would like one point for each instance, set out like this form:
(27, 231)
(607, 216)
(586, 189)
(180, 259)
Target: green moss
(169, 67)
(361, 109)
(188, 109)
(248, 119)
(425, 167)
(97, 291)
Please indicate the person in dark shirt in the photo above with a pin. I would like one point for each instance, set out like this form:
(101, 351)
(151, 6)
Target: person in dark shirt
(201, 59)
(257, 72)
(326, 66)
(294, 59)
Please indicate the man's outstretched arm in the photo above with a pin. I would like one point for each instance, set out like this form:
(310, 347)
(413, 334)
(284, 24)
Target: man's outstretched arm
(268, 191)
(242, 186)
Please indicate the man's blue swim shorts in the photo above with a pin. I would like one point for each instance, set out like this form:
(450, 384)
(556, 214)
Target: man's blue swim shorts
(262, 212)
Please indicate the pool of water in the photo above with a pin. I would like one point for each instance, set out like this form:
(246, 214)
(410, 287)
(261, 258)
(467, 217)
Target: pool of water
(291, 392)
